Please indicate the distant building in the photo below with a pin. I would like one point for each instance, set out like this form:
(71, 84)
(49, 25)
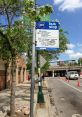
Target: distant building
(66, 62)
(60, 63)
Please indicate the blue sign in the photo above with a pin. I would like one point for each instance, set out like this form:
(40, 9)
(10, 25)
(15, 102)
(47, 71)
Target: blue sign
(46, 48)
(47, 25)
(47, 35)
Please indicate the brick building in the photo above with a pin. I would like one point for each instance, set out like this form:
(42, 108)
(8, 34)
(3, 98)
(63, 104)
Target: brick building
(5, 73)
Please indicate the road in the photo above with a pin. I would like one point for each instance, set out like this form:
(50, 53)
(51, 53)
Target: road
(67, 96)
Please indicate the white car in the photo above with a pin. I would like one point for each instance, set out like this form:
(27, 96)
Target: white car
(72, 75)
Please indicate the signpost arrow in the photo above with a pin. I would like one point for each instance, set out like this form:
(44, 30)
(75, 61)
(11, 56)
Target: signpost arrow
(42, 61)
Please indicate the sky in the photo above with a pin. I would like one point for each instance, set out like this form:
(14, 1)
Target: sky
(69, 14)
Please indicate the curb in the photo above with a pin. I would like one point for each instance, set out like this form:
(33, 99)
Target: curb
(51, 108)
(47, 109)
(42, 109)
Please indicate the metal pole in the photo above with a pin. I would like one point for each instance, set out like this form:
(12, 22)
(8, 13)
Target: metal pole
(40, 96)
(33, 75)
(33, 71)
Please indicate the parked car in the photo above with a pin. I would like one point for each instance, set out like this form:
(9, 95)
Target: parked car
(72, 75)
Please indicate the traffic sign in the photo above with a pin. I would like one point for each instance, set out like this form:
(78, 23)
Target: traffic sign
(42, 61)
(47, 35)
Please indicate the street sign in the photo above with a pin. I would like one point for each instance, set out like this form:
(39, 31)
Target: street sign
(47, 35)
(42, 61)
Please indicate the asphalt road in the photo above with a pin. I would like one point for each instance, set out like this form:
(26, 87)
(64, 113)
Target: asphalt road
(67, 97)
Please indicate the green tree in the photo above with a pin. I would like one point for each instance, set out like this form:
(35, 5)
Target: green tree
(44, 14)
(80, 61)
(14, 37)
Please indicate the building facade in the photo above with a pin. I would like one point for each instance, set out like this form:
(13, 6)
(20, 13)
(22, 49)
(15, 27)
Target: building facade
(5, 73)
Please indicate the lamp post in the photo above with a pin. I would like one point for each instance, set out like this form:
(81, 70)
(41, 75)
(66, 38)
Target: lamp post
(40, 96)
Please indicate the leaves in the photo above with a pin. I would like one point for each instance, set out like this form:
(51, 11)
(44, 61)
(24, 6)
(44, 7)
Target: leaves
(18, 34)
(63, 40)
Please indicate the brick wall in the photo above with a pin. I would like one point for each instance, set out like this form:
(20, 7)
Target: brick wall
(2, 79)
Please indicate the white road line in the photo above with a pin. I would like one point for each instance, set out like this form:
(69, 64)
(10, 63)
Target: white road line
(70, 86)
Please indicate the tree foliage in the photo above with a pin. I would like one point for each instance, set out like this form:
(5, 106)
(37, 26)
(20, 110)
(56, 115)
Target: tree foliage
(14, 36)
(80, 61)
(12, 10)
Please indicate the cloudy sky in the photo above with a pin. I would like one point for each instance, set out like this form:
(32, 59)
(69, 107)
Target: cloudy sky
(69, 13)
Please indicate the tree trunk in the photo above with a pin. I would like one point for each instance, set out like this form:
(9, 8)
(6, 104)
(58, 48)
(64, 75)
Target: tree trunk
(13, 86)
(6, 68)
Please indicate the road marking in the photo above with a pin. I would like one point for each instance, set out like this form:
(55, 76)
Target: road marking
(70, 86)
(76, 115)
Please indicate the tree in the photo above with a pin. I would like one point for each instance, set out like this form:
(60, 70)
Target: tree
(80, 61)
(14, 38)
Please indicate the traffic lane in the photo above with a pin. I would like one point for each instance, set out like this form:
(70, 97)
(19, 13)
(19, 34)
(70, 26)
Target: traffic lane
(67, 100)
(75, 83)
(63, 102)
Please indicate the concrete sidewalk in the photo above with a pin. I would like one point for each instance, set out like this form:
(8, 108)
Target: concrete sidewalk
(49, 108)
(23, 100)
(43, 110)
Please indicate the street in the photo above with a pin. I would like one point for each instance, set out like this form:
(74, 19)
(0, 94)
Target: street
(67, 96)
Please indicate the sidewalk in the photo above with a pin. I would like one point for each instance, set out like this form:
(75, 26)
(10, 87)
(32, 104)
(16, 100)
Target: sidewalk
(49, 108)
(22, 98)
(43, 110)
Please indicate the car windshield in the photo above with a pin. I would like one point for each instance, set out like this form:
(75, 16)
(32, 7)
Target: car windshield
(73, 72)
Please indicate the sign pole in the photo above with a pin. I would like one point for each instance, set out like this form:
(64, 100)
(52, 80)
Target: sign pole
(33, 72)
(33, 75)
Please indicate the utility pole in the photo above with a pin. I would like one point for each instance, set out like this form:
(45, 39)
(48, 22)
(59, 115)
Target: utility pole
(33, 72)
